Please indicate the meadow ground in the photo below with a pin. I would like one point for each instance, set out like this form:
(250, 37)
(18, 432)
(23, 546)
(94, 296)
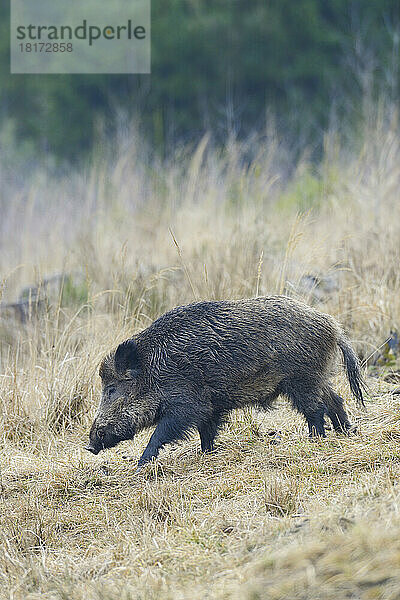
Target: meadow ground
(128, 239)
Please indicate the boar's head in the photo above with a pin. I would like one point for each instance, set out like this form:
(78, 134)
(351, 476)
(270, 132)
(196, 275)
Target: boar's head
(123, 410)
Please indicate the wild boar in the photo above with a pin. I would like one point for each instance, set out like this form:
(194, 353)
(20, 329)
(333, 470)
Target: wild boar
(196, 363)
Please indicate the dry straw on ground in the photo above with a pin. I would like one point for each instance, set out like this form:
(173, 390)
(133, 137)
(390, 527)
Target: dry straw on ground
(254, 519)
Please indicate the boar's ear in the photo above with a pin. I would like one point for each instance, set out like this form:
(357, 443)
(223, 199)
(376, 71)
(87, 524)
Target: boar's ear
(127, 359)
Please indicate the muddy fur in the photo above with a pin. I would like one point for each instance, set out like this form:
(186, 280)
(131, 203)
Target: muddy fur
(198, 362)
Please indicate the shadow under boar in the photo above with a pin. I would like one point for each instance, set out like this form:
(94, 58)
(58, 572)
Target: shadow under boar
(196, 363)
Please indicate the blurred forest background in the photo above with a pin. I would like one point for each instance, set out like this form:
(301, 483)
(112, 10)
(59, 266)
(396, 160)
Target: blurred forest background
(224, 66)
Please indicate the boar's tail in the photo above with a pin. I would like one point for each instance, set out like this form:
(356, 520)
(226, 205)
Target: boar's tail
(353, 369)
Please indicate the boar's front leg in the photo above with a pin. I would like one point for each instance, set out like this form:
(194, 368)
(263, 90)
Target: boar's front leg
(207, 432)
(171, 428)
(209, 429)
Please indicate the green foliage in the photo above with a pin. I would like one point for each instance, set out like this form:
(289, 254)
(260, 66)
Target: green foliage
(216, 66)
(308, 190)
(74, 292)
(304, 193)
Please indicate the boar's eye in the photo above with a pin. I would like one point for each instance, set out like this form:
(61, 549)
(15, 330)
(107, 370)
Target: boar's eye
(101, 432)
(111, 390)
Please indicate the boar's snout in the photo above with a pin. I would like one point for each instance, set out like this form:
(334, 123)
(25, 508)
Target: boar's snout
(96, 439)
(92, 449)
(103, 436)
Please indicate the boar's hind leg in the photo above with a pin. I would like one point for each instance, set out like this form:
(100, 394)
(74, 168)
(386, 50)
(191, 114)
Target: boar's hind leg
(306, 397)
(336, 412)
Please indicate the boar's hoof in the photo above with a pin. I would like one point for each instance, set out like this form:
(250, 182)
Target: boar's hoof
(352, 430)
(128, 457)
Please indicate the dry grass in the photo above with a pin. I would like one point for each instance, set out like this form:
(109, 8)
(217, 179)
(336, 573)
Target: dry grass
(254, 519)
